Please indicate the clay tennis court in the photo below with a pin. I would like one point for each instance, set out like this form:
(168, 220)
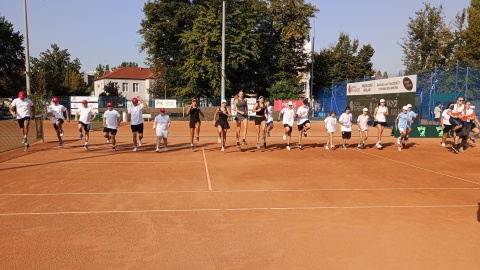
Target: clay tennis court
(253, 209)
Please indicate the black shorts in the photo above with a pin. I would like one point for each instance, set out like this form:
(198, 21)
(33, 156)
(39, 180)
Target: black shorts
(455, 122)
(346, 135)
(55, 124)
(86, 127)
(289, 127)
(137, 128)
(383, 124)
(193, 123)
(300, 127)
(110, 130)
(447, 128)
(259, 120)
(436, 119)
(21, 122)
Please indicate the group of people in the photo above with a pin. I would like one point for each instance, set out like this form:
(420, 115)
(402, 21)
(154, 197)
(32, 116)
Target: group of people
(458, 120)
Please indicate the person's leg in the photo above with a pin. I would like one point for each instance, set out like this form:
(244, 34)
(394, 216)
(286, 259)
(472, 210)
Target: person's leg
(113, 140)
(257, 128)
(60, 126)
(57, 131)
(159, 138)
(237, 134)
(197, 128)
(379, 134)
(219, 129)
(224, 140)
(192, 131)
(80, 127)
(245, 128)
(263, 130)
(301, 128)
(134, 139)
(165, 142)
(289, 135)
(26, 125)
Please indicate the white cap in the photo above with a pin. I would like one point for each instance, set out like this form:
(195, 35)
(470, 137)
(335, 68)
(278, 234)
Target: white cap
(365, 109)
(382, 100)
(224, 101)
(405, 108)
(472, 107)
(409, 106)
(290, 103)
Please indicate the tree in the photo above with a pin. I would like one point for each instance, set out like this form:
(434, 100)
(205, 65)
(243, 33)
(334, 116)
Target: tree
(12, 60)
(285, 89)
(111, 90)
(129, 64)
(469, 36)
(385, 75)
(429, 42)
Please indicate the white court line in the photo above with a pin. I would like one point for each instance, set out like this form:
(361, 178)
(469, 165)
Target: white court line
(237, 209)
(206, 170)
(225, 191)
(417, 167)
(99, 162)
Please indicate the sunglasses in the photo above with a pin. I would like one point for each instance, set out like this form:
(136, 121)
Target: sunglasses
(459, 99)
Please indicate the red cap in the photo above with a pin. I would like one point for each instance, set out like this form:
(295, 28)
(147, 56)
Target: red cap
(194, 99)
(109, 104)
(21, 94)
(84, 101)
(162, 110)
(55, 99)
(134, 100)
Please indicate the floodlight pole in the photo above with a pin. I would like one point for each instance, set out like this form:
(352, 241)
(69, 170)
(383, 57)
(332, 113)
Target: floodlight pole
(27, 53)
(223, 51)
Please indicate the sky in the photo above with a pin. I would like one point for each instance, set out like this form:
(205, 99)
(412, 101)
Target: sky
(106, 31)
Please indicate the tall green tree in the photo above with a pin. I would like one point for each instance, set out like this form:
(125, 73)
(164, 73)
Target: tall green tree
(469, 35)
(12, 60)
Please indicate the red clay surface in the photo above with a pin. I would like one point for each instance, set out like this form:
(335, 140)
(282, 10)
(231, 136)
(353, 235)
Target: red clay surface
(239, 209)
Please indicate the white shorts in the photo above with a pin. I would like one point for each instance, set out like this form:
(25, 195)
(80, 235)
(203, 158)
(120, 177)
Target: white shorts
(329, 130)
(162, 133)
(402, 130)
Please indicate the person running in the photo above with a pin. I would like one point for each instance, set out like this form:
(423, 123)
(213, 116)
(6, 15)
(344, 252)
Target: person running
(302, 122)
(330, 125)
(111, 122)
(240, 106)
(468, 118)
(55, 112)
(135, 114)
(194, 112)
(380, 121)
(222, 122)
(401, 125)
(84, 116)
(362, 122)
(412, 115)
(475, 126)
(446, 126)
(437, 113)
(455, 112)
(288, 115)
(161, 125)
(22, 108)
(346, 126)
(260, 109)
(270, 117)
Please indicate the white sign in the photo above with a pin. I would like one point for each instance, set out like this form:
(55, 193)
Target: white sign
(79, 105)
(80, 98)
(165, 103)
(404, 84)
(75, 110)
(250, 103)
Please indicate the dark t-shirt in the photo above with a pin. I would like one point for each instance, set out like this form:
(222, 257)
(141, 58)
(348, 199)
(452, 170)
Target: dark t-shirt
(195, 115)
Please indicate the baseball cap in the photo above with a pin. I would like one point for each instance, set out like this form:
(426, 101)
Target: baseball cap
(409, 106)
(224, 101)
(162, 110)
(134, 100)
(382, 100)
(109, 104)
(194, 99)
(84, 101)
(365, 109)
(405, 108)
(21, 94)
(260, 97)
(55, 99)
(290, 103)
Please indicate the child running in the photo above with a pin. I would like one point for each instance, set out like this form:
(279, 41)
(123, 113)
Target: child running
(411, 115)
(302, 122)
(161, 125)
(240, 106)
(55, 112)
(475, 126)
(260, 120)
(362, 122)
(288, 118)
(270, 116)
(135, 113)
(330, 123)
(22, 109)
(455, 112)
(111, 122)
(401, 124)
(446, 126)
(84, 115)
(380, 121)
(346, 126)
(195, 123)
(222, 123)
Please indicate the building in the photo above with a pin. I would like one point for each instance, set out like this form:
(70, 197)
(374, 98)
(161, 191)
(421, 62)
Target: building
(132, 82)
(88, 77)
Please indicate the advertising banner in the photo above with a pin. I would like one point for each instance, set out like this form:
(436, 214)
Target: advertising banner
(165, 103)
(280, 104)
(250, 103)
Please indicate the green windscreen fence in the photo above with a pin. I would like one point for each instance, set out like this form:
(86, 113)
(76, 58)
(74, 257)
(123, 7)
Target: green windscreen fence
(11, 135)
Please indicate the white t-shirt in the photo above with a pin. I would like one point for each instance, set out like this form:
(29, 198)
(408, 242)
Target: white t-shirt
(330, 123)
(346, 122)
(457, 111)
(111, 119)
(437, 112)
(380, 116)
(362, 122)
(288, 116)
(85, 114)
(446, 117)
(302, 113)
(162, 122)
(22, 107)
(270, 114)
(136, 113)
(56, 111)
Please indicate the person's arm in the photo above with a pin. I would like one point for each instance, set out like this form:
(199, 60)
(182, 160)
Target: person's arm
(215, 116)
(386, 112)
(375, 114)
(254, 110)
(154, 123)
(119, 120)
(235, 106)
(441, 122)
(396, 123)
(169, 121)
(145, 105)
(12, 110)
(49, 112)
(201, 113)
(280, 115)
(68, 115)
(104, 121)
(229, 113)
(94, 116)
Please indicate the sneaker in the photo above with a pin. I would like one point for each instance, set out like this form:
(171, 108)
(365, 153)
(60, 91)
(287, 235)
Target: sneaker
(400, 148)
(135, 149)
(450, 133)
(244, 142)
(268, 133)
(165, 149)
(406, 138)
(305, 134)
(264, 144)
(363, 145)
(288, 148)
(300, 147)
(359, 147)
(108, 139)
(258, 146)
(81, 136)
(223, 148)
(461, 149)
(326, 147)
(344, 147)
(197, 138)
(61, 133)
(472, 139)
(219, 139)
(139, 142)
(24, 140)
(114, 149)
(443, 144)
(61, 144)
(157, 150)
(284, 136)
(238, 144)
(25, 148)
(454, 148)
(85, 146)
(263, 140)
(333, 147)
(192, 148)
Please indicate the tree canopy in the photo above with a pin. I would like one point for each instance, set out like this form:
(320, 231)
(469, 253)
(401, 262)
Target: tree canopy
(12, 59)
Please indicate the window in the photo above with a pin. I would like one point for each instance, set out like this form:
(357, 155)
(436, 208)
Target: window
(125, 87)
(135, 88)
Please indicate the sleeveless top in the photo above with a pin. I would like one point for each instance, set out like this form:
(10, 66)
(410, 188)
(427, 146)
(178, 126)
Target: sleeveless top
(380, 116)
(242, 105)
(262, 111)
(223, 115)
(195, 115)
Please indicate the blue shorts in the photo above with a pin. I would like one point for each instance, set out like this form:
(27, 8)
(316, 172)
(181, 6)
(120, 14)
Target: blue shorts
(86, 127)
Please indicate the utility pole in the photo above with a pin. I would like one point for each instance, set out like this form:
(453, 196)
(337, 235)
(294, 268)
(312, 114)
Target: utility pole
(27, 52)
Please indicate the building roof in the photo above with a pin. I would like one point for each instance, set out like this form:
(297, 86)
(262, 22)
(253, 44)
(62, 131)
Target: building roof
(134, 73)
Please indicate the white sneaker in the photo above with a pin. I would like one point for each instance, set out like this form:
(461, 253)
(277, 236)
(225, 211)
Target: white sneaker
(165, 149)
(139, 142)
(326, 147)
(219, 139)
(288, 148)
(443, 144)
(157, 150)
(223, 148)
(284, 136)
(398, 140)
(135, 149)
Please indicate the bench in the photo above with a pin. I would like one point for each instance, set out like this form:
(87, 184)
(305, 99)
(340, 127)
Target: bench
(147, 116)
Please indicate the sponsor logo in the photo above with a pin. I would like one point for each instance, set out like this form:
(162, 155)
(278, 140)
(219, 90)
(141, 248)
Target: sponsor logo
(407, 83)
(353, 89)
(392, 103)
(421, 130)
(439, 131)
